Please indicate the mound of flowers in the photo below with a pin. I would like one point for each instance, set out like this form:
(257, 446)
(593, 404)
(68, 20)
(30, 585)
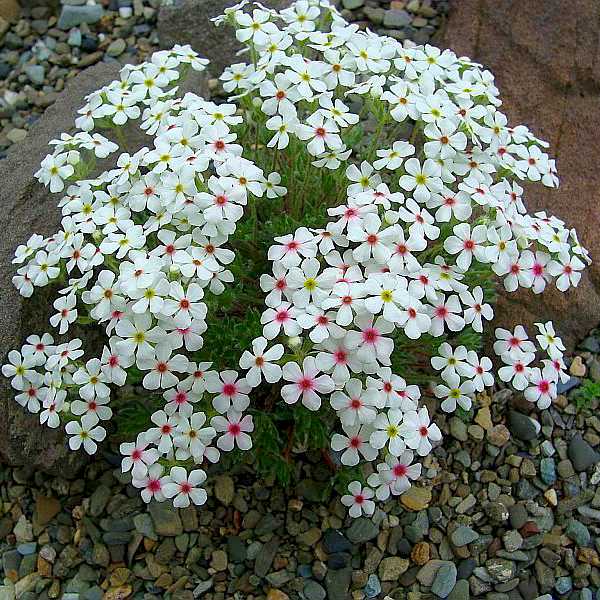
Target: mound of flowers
(293, 269)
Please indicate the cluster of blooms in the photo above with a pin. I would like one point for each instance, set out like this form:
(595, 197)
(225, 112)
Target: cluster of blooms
(142, 244)
(145, 241)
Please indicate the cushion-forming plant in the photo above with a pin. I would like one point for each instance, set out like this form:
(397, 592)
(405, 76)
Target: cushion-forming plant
(236, 315)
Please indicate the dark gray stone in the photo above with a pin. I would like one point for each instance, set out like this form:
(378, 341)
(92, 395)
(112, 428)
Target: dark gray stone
(582, 455)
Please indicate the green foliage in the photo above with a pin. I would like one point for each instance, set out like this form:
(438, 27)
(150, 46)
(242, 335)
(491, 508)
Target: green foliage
(587, 393)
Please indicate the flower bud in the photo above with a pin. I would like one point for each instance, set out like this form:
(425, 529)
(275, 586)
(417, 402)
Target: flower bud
(294, 342)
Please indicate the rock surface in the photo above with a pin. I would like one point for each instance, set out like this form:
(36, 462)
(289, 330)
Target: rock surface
(547, 65)
(26, 207)
(188, 22)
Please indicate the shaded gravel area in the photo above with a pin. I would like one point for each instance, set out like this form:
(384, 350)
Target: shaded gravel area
(508, 508)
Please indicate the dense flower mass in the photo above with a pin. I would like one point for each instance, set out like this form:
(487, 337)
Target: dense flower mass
(432, 209)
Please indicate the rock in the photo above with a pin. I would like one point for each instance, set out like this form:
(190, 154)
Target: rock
(28, 207)
(99, 499)
(116, 47)
(352, 4)
(274, 594)
(335, 541)
(35, 73)
(426, 574)
(392, 567)
(577, 367)
(556, 94)
(72, 16)
(499, 435)
(219, 560)
(362, 530)
(23, 530)
(548, 471)
(463, 535)
(522, 427)
(416, 498)
(188, 22)
(582, 455)
(461, 591)
(395, 19)
(314, 591)
(45, 510)
(9, 10)
(373, 587)
(16, 135)
(500, 569)
(578, 532)
(265, 556)
(224, 489)
(444, 581)
(166, 519)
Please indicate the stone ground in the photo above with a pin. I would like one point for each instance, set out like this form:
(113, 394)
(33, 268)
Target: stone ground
(508, 509)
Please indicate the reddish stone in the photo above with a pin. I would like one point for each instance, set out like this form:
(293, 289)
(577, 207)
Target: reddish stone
(545, 55)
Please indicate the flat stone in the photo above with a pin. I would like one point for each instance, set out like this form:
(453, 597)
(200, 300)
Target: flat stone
(582, 455)
(224, 489)
(395, 19)
(187, 22)
(444, 580)
(463, 535)
(72, 16)
(116, 47)
(362, 530)
(165, 518)
(392, 567)
(23, 441)
(46, 508)
(416, 498)
(522, 427)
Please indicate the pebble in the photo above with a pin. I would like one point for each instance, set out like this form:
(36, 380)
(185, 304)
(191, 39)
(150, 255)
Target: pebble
(224, 489)
(445, 580)
(582, 455)
(392, 567)
(116, 47)
(463, 535)
(314, 591)
(72, 16)
(362, 530)
(522, 427)
(578, 532)
(416, 498)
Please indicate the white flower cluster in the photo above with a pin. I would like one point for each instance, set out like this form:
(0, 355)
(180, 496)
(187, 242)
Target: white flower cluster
(144, 242)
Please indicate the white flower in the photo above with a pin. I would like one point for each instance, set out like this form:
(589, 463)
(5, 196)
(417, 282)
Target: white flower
(235, 430)
(455, 393)
(353, 405)
(417, 431)
(162, 368)
(467, 244)
(359, 500)
(86, 432)
(387, 425)
(354, 444)
(307, 384)
(542, 390)
(152, 483)
(231, 391)
(259, 363)
(137, 456)
(548, 340)
(421, 180)
(183, 487)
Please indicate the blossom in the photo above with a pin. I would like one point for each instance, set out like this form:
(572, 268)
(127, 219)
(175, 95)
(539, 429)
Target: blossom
(261, 362)
(353, 405)
(421, 180)
(234, 428)
(455, 393)
(354, 444)
(137, 456)
(183, 487)
(85, 432)
(387, 433)
(231, 391)
(418, 431)
(307, 384)
(358, 500)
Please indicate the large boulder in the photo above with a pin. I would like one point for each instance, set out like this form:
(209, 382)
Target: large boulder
(546, 59)
(26, 207)
(188, 22)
